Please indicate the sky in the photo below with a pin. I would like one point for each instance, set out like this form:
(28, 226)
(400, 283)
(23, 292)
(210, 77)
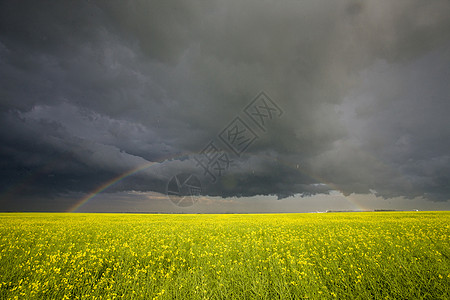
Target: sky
(224, 106)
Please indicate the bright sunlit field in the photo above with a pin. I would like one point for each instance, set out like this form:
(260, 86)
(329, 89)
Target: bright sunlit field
(398, 255)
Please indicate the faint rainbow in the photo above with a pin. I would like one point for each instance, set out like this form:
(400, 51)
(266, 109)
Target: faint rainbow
(335, 187)
(122, 176)
(107, 184)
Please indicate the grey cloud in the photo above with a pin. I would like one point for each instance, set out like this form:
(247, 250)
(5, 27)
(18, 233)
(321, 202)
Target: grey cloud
(105, 86)
(397, 120)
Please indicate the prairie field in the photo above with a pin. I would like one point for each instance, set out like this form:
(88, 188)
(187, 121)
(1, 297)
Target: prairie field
(368, 255)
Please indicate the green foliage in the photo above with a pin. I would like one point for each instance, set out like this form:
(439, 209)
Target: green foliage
(395, 255)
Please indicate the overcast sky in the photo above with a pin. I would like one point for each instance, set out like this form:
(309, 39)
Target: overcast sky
(353, 114)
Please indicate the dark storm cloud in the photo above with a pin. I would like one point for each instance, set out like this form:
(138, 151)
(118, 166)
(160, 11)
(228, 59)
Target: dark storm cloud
(398, 121)
(90, 90)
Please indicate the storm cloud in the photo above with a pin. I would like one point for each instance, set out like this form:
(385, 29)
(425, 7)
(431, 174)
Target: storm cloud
(90, 90)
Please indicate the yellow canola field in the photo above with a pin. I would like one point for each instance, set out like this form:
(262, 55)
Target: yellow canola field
(395, 255)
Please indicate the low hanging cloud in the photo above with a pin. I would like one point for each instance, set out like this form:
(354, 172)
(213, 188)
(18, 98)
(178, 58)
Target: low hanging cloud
(91, 90)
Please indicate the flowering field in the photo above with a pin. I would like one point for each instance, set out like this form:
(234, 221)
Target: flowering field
(321, 256)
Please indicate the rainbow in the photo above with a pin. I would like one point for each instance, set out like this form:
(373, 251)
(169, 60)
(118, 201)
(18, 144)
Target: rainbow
(137, 169)
(107, 184)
